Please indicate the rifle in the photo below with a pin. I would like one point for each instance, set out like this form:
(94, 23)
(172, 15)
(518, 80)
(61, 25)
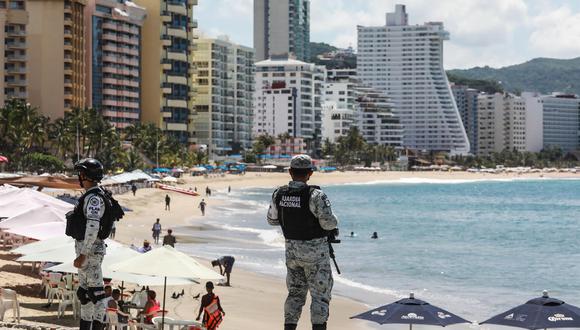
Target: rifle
(332, 239)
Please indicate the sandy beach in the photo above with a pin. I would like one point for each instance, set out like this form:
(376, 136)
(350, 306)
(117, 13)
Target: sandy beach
(255, 301)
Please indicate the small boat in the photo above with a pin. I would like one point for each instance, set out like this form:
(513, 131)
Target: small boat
(175, 189)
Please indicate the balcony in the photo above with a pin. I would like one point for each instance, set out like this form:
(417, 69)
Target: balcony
(182, 10)
(177, 80)
(177, 56)
(177, 33)
(177, 103)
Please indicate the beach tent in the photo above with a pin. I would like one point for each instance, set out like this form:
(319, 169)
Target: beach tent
(539, 313)
(166, 262)
(136, 175)
(35, 216)
(411, 311)
(40, 231)
(44, 245)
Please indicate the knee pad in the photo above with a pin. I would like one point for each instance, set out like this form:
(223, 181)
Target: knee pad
(82, 295)
(96, 293)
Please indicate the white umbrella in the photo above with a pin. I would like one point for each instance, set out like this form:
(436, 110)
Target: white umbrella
(63, 253)
(44, 245)
(169, 179)
(116, 255)
(34, 216)
(199, 169)
(167, 262)
(40, 231)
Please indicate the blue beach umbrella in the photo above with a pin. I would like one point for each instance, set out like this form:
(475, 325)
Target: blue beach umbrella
(540, 313)
(410, 311)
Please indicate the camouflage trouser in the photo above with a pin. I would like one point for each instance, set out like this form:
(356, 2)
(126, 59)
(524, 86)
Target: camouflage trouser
(308, 266)
(91, 280)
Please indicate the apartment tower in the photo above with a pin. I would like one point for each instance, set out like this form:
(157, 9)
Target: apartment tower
(288, 98)
(56, 53)
(406, 62)
(114, 60)
(282, 27)
(166, 57)
(223, 103)
(13, 50)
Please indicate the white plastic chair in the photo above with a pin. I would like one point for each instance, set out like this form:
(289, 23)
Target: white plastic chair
(68, 298)
(9, 300)
(113, 321)
(139, 299)
(52, 286)
(56, 292)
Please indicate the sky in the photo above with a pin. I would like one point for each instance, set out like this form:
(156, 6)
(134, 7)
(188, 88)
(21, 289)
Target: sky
(482, 32)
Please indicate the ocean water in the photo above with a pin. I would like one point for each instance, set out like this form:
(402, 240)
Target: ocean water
(475, 248)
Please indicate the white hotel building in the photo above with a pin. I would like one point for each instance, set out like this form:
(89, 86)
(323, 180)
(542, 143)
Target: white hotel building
(406, 62)
(288, 98)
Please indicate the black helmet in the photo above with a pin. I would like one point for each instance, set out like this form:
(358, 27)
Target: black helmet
(92, 168)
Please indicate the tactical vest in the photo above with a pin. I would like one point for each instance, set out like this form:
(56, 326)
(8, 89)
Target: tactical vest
(76, 222)
(296, 219)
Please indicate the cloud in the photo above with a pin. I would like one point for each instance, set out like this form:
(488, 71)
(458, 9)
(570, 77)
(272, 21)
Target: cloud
(557, 33)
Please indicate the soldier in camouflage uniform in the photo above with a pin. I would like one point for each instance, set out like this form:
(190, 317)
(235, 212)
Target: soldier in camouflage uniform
(306, 218)
(91, 250)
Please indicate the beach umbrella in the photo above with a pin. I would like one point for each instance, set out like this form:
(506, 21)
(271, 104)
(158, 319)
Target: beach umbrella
(33, 217)
(43, 245)
(39, 231)
(3, 159)
(169, 179)
(166, 262)
(63, 253)
(411, 311)
(119, 254)
(539, 313)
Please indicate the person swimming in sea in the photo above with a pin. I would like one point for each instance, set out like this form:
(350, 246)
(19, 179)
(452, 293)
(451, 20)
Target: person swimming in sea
(375, 235)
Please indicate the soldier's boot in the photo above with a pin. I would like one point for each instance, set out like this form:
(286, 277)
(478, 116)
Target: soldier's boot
(85, 325)
(319, 326)
(289, 326)
(98, 325)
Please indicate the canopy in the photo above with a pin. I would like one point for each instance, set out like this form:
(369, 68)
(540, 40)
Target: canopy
(41, 231)
(169, 179)
(16, 201)
(35, 216)
(44, 245)
(116, 255)
(161, 170)
(270, 166)
(44, 181)
(199, 169)
(167, 261)
(136, 175)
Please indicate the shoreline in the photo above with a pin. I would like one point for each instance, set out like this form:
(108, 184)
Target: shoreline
(254, 295)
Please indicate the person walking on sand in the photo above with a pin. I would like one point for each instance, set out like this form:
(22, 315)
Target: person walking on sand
(213, 312)
(133, 188)
(156, 229)
(169, 239)
(229, 189)
(202, 205)
(167, 202)
(306, 218)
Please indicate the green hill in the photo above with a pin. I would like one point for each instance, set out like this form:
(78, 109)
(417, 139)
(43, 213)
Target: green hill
(318, 48)
(544, 75)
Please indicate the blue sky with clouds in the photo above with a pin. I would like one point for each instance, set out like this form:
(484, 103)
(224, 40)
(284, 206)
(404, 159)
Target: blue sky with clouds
(483, 32)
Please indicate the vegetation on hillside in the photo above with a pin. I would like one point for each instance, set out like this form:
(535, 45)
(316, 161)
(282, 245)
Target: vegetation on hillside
(487, 86)
(544, 75)
(319, 48)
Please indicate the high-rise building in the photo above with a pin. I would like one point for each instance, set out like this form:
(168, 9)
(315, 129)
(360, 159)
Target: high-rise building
(375, 118)
(406, 62)
(223, 103)
(288, 98)
(466, 100)
(56, 53)
(338, 104)
(282, 27)
(166, 57)
(114, 60)
(13, 50)
(505, 121)
(561, 121)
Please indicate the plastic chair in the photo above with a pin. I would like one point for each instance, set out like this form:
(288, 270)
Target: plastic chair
(54, 280)
(113, 320)
(139, 299)
(57, 292)
(9, 300)
(68, 298)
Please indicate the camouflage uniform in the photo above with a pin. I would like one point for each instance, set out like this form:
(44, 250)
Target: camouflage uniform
(90, 274)
(307, 261)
